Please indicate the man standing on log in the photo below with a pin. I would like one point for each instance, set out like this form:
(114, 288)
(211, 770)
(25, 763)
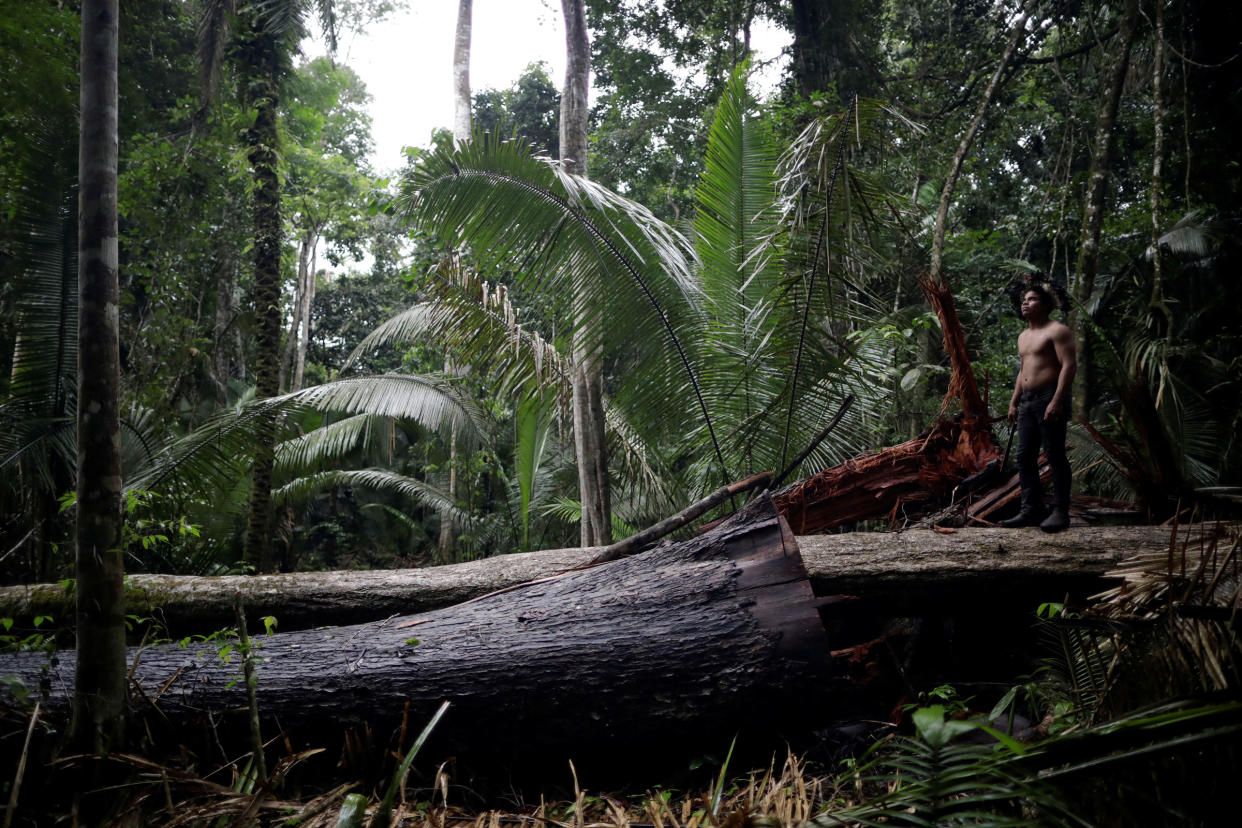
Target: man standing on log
(1040, 405)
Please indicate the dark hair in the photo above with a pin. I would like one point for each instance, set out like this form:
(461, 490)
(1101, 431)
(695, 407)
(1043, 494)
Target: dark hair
(1044, 296)
(1050, 292)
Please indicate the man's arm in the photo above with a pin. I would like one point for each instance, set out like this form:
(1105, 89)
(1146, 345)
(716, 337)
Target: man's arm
(1017, 392)
(1067, 355)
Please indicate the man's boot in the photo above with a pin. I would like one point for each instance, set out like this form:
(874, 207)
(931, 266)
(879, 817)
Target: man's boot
(1058, 520)
(1027, 516)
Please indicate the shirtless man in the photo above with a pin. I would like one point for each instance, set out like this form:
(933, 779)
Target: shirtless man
(1040, 409)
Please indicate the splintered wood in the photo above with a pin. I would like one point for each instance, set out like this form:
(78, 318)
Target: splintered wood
(879, 485)
(914, 473)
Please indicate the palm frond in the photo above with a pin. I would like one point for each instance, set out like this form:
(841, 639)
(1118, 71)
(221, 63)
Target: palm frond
(479, 325)
(829, 203)
(324, 444)
(532, 425)
(42, 239)
(1191, 238)
(437, 402)
(640, 470)
(744, 323)
(938, 779)
(282, 18)
(219, 451)
(326, 10)
(214, 31)
(380, 480)
(556, 233)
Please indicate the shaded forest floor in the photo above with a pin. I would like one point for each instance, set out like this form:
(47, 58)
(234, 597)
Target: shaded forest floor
(1124, 710)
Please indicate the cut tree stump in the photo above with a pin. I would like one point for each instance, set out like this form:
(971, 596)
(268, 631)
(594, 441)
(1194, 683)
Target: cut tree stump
(684, 641)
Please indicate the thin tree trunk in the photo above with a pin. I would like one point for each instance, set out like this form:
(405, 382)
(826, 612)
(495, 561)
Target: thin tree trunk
(588, 383)
(98, 722)
(306, 301)
(223, 329)
(264, 151)
(1157, 185)
(461, 72)
(461, 132)
(1093, 204)
(288, 345)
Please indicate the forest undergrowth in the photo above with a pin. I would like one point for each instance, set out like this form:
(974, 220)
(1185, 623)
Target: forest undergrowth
(1133, 718)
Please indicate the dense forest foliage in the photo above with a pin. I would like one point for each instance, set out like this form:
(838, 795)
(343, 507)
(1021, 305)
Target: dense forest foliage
(325, 365)
(1141, 101)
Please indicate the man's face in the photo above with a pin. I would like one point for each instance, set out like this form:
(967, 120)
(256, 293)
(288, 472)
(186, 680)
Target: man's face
(1033, 304)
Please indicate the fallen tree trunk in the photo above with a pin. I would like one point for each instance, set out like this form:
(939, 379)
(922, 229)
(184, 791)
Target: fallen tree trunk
(684, 641)
(875, 565)
(927, 571)
(187, 604)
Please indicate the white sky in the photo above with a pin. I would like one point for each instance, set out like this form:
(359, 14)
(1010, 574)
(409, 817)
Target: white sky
(406, 62)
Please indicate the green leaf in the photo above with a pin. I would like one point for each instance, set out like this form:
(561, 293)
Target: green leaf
(935, 730)
(532, 424)
(383, 814)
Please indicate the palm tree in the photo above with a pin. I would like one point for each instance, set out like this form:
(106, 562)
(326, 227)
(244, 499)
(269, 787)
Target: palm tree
(782, 243)
(730, 328)
(38, 446)
(308, 445)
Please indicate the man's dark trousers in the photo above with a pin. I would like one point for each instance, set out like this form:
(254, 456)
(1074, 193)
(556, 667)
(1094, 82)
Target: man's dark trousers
(1034, 431)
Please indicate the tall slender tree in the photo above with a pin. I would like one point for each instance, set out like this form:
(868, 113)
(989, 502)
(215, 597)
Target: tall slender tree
(588, 380)
(99, 690)
(461, 71)
(265, 58)
(461, 132)
(262, 48)
(1093, 202)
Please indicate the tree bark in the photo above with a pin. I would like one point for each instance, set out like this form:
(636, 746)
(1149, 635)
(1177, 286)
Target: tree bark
(1093, 202)
(289, 345)
(263, 140)
(1156, 187)
(307, 301)
(680, 643)
(461, 132)
(224, 332)
(98, 721)
(293, 351)
(588, 383)
(461, 71)
(876, 566)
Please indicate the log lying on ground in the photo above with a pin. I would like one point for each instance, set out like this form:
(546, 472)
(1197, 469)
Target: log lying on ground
(925, 571)
(688, 639)
(875, 565)
(188, 604)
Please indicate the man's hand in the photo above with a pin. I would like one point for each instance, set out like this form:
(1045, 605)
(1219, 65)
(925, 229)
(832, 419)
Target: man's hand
(1053, 411)
(1013, 411)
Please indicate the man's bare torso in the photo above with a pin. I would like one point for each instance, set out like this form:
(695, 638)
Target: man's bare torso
(1040, 365)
